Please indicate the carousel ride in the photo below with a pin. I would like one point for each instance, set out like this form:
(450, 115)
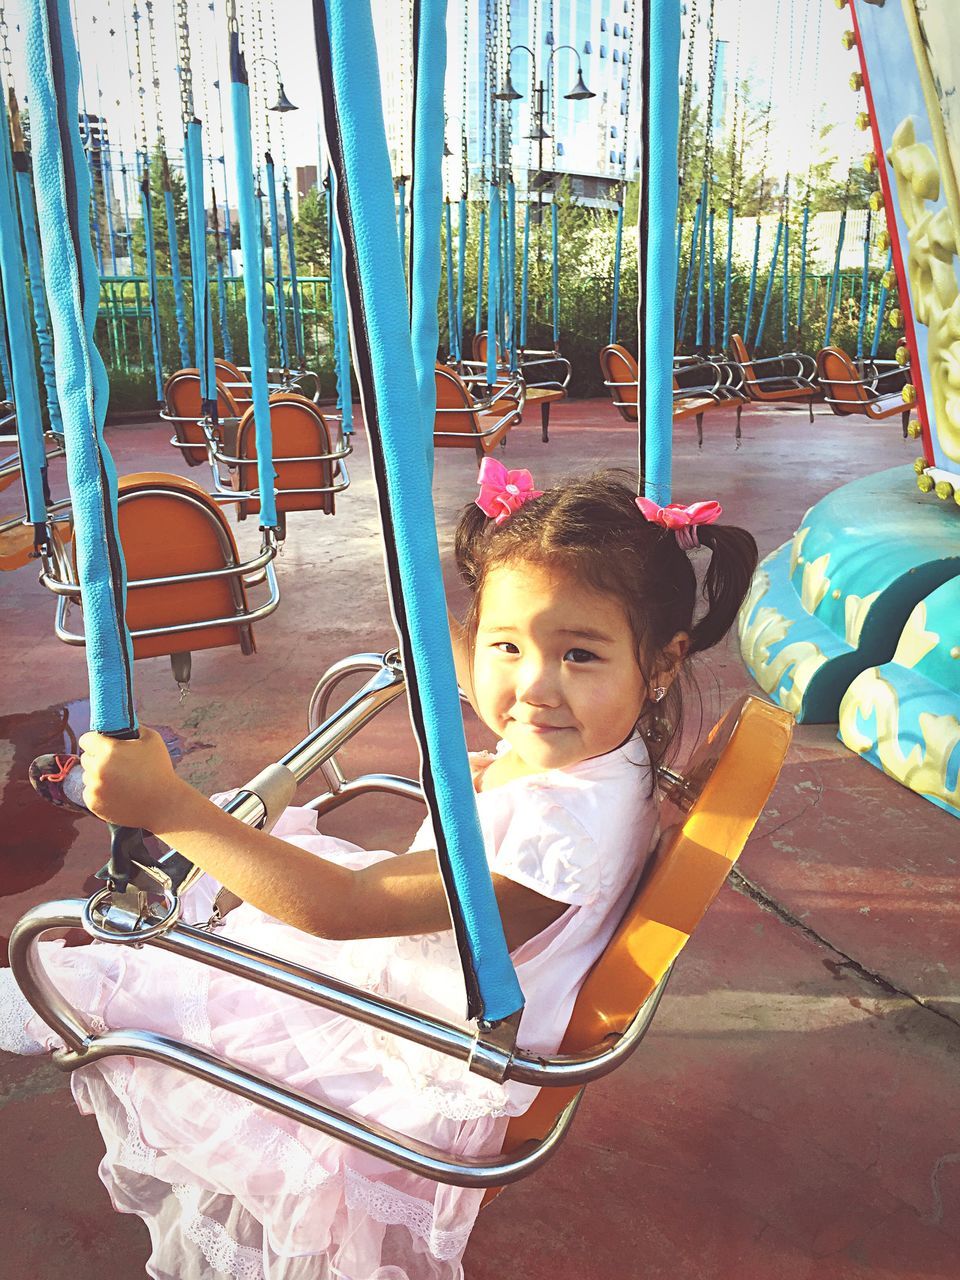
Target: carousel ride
(854, 621)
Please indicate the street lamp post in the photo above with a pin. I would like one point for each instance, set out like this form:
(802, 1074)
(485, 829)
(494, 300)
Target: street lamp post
(509, 93)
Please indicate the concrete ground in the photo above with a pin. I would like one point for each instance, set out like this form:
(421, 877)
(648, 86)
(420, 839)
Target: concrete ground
(794, 1113)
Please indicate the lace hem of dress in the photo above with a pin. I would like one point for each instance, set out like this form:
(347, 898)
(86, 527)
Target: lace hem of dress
(214, 1241)
(391, 1207)
(15, 1012)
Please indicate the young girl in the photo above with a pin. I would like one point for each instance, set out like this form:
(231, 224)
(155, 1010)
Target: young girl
(583, 614)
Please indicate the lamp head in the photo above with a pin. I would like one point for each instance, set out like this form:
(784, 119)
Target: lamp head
(508, 93)
(283, 103)
(579, 91)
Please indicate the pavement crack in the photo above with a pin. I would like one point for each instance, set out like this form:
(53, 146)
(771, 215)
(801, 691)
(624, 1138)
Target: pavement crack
(749, 889)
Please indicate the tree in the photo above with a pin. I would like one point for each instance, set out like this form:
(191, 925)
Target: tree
(158, 206)
(310, 234)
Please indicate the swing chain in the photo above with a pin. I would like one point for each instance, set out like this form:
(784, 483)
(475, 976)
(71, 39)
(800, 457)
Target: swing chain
(464, 155)
(5, 37)
(233, 22)
(687, 95)
(141, 87)
(711, 89)
(622, 186)
(507, 107)
(183, 58)
(155, 76)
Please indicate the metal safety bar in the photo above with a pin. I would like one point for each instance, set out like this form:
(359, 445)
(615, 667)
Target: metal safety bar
(492, 1057)
(58, 577)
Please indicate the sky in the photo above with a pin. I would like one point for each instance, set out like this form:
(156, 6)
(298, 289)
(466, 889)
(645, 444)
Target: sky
(778, 36)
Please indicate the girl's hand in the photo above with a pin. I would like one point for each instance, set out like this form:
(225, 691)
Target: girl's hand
(129, 782)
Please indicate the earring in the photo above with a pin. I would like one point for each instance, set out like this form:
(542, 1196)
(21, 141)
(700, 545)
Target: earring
(659, 693)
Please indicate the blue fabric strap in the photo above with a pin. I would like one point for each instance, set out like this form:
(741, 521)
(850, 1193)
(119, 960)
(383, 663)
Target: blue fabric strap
(106, 178)
(481, 251)
(785, 301)
(657, 268)
(253, 284)
(453, 346)
(493, 285)
(835, 280)
(768, 292)
(525, 277)
(511, 290)
(41, 313)
(555, 257)
(748, 319)
(426, 205)
(864, 286)
(402, 221)
(294, 281)
(711, 284)
(356, 142)
(694, 241)
(802, 286)
(176, 275)
(26, 391)
(280, 301)
(197, 224)
(461, 268)
(5, 371)
(727, 279)
(63, 203)
(701, 265)
(881, 308)
(150, 252)
(617, 251)
(341, 319)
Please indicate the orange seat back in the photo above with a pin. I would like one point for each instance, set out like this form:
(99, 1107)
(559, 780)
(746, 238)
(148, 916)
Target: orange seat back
(168, 525)
(299, 430)
(742, 357)
(618, 365)
(726, 785)
(839, 378)
(182, 398)
(237, 383)
(459, 415)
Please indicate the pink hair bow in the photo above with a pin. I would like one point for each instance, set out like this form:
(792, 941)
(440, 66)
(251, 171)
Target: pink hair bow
(501, 491)
(682, 520)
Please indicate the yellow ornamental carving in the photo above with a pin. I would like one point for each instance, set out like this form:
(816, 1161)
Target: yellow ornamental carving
(932, 248)
(815, 584)
(915, 640)
(924, 768)
(855, 610)
(796, 547)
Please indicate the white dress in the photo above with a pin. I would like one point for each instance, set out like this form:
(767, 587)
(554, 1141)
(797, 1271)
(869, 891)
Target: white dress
(229, 1189)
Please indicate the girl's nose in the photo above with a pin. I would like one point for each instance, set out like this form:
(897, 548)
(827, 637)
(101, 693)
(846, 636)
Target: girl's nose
(537, 684)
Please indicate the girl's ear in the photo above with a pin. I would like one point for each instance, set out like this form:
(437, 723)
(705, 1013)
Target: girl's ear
(670, 659)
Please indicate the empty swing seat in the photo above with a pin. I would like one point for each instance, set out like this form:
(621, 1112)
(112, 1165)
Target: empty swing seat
(236, 379)
(791, 379)
(183, 408)
(620, 377)
(187, 588)
(532, 369)
(847, 391)
(464, 423)
(718, 801)
(309, 470)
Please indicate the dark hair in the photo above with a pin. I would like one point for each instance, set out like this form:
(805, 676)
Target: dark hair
(591, 527)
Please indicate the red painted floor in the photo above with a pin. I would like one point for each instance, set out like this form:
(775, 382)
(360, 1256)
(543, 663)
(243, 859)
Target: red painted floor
(794, 1114)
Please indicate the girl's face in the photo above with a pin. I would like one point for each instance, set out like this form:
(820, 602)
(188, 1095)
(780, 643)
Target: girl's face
(555, 666)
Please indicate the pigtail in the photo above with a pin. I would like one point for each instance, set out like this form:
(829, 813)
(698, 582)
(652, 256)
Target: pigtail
(726, 582)
(472, 529)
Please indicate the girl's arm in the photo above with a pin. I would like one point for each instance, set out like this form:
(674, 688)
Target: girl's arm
(132, 783)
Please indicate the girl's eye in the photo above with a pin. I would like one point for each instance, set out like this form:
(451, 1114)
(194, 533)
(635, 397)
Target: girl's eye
(506, 646)
(579, 656)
